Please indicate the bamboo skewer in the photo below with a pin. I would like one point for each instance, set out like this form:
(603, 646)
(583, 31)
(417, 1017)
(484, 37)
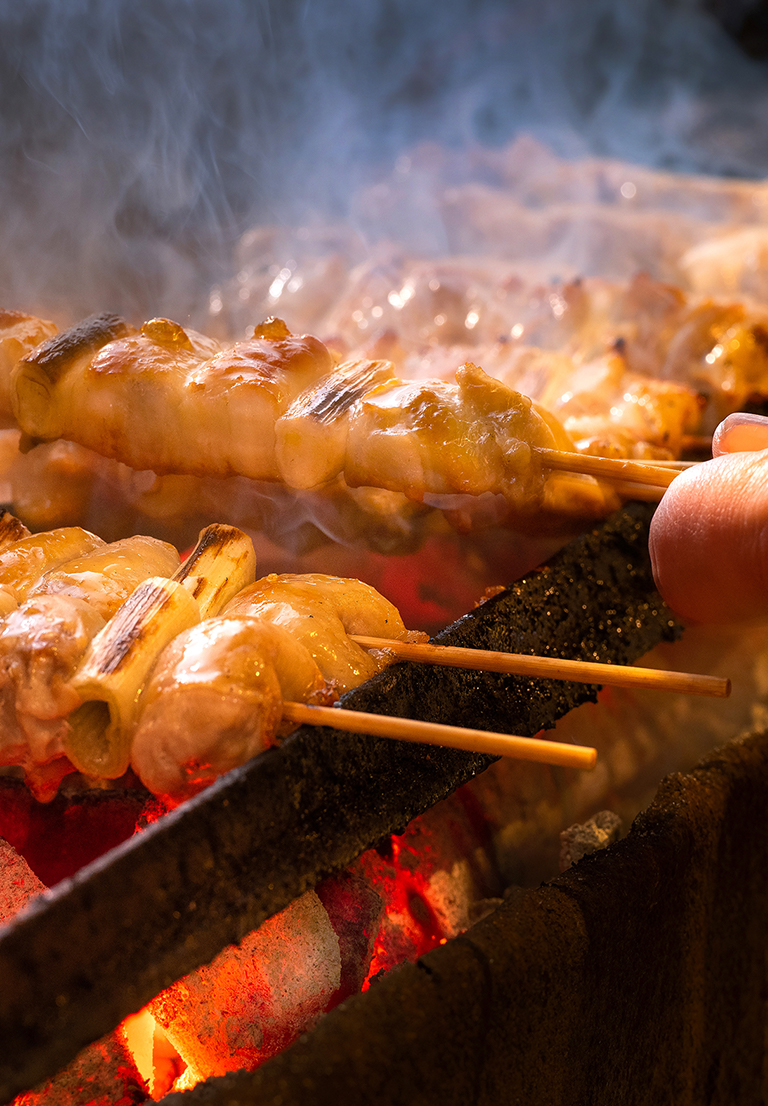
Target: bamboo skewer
(611, 468)
(552, 668)
(434, 733)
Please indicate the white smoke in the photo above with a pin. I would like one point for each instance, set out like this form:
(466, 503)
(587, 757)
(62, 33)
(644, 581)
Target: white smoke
(139, 138)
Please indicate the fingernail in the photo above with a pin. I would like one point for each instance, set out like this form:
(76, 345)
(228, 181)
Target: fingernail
(740, 433)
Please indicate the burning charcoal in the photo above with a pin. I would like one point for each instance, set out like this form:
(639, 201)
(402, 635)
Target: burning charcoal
(355, 910)
(18, 883)
(255, 998)
(102, 1074)
(581, 840)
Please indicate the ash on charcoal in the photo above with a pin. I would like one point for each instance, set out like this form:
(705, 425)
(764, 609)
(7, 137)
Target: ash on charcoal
(585, 838)
(18, 883)
(255, 998)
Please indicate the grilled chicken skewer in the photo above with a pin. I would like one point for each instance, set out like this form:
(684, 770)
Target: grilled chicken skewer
(274, 408)
(628, 382)
(221, 691)
(185, 695)
(45, 638)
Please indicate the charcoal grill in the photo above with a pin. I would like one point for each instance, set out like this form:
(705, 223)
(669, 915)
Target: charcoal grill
(100, 945)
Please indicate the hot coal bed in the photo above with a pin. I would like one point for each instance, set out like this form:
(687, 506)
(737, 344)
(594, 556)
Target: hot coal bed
(637, 976)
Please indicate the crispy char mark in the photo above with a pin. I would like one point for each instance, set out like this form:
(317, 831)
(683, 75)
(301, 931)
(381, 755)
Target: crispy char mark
(331, 401)
(217, 541)
(88, 336)
(213, 536)
(12, 529)
(132, 614)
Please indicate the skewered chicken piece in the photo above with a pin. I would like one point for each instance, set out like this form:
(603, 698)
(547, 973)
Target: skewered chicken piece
(11, 530)
(215, 696)
(23, 562)
(610, 412)
(438, 439)
(44, 639)
(214, 701)
(167, 399)
(321, 611)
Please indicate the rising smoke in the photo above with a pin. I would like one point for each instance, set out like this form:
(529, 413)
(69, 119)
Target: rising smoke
(140, 138)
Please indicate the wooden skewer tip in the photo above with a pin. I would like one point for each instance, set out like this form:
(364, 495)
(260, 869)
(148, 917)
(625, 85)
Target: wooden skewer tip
(612, 468)
(433, 733)
(553, 668)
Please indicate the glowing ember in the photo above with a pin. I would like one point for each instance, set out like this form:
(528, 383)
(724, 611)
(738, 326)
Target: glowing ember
(255, 998)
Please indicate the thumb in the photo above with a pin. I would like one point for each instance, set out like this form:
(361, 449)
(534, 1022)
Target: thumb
(709, 535)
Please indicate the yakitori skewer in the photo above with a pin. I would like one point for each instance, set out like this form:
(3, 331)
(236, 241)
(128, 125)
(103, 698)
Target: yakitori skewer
(552, 668)
(434, 733)
(277, 407)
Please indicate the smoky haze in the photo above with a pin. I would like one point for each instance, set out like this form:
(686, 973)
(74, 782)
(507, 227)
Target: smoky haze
(140, 138)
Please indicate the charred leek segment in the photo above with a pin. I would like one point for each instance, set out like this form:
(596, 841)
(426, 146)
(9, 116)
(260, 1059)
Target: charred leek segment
(114, 670)
(42, 383)
(311, 437)
(222, 563)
